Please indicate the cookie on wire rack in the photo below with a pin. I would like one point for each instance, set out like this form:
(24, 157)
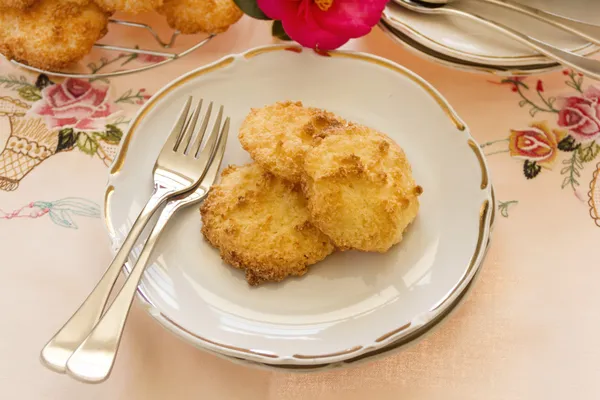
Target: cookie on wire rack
(130, 6)
(16, 4)
(52, 34)
(195, 16)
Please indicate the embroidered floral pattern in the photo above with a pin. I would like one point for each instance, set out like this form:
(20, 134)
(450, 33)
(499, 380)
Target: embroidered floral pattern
(75, 103)
(61, 212)
(538, 144)
(573, 130)
(47, 118)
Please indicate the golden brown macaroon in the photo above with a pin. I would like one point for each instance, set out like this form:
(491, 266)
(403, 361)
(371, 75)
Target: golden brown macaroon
(260, 223)
(194, 16)
(130, 6)
(278, 136)
(52, 34)
(360, 189)
(16, 4)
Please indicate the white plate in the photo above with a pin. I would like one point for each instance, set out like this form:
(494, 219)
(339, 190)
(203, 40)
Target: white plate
(351, 303)
(462, 38)
(447, 61)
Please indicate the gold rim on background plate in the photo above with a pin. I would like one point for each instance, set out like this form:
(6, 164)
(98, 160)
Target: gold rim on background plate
(406, 330)
(584, 50)
(452, 62)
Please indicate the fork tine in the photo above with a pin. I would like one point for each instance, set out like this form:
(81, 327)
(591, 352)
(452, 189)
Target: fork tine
(198, 142)
(209, 148)
(186, 137)
(213, 170)
(173, 138)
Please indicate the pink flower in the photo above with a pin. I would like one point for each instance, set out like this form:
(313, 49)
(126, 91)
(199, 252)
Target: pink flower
(540, 86)
(324, 24)
(75, 103)
(150, 59)
(581, 115)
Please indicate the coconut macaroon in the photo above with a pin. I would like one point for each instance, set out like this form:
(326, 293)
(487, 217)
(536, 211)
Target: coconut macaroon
(194, 16)
(278, 136)
(130, 6)
(260, 223)
(51, 34)
(16, 4)
(360, 189)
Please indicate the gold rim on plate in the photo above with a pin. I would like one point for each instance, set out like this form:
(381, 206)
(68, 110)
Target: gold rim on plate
(397, 334)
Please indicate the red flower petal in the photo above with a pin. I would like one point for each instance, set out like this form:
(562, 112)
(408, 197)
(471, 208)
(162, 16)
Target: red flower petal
(60, 122)
(539, 87)
(89, 124)
(572, 101)
(569, 118)
(76, 87)
(78, 111)
(309, 34)
(279, 9)
(104, 111)
(350, 18)
(56, 95)
(592, 93)
(41, 108)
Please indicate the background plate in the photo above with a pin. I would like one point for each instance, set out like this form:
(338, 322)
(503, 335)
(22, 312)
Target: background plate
(471, 41)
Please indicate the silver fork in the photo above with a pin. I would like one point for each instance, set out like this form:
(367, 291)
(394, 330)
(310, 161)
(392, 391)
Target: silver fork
(94, 358)
(179, 169)
(586, 66)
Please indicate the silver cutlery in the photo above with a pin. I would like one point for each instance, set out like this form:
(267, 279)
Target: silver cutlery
(581, 64)
(94, 358)
(587, 31)
(179, 169)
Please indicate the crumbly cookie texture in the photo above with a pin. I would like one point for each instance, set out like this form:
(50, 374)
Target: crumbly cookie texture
(194, 16)
(278, 136)
(16, 4)
(130, 6)
(360, 189)
(260, 223)
(52, 34)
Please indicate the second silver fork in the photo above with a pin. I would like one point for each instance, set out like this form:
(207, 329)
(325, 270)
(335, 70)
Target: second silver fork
(179, 170)
(94, 358)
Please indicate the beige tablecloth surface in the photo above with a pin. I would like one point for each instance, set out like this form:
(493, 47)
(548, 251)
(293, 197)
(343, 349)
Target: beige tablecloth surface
(528, 329)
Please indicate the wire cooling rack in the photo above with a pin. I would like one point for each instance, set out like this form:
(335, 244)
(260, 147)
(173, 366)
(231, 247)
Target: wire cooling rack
(165, 57)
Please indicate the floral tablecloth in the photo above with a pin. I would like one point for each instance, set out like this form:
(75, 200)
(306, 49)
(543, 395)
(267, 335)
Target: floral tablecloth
(527, 330)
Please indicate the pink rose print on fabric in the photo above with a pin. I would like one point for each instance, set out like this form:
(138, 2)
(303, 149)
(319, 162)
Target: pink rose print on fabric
(324, 24)
(75, 103)
(581, 115)
(150, 59)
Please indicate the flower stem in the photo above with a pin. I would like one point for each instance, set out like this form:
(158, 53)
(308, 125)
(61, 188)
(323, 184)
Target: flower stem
(575, 83)
(493, 142)
(573, 165)
(15, 83)
(131, 98)
(497, 152)
(105, 62)
(547, 103)
(503, 207)
(532, 104)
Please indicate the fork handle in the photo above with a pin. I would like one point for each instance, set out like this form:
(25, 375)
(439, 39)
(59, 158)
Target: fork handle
(587, 31)
(586, 66)
(58, 350)
(93, 360)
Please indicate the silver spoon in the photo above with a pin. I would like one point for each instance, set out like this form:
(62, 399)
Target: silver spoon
(581, 64)
(587, 31)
